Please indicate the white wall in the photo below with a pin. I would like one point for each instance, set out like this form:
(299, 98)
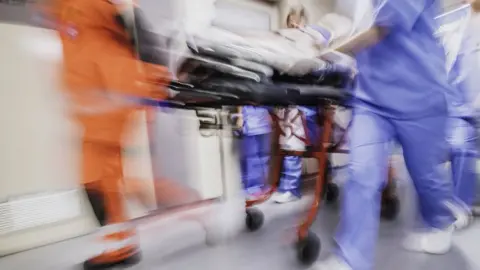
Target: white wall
(271, 10)
(37, 140)
(315, 8)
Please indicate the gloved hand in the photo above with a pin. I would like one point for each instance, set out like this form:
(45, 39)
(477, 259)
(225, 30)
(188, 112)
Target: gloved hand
(306, 66)
(335, 57)
(340, 61)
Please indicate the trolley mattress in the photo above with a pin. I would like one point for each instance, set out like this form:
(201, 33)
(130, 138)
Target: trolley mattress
(234, 75)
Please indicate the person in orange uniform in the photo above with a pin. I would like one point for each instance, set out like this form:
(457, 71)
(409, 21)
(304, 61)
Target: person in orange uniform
(109, 56)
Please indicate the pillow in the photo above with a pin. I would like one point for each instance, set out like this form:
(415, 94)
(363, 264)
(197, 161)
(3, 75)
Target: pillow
(216, 34)
(296, 35)
(271, 42)
(301, 41)
(339, 25)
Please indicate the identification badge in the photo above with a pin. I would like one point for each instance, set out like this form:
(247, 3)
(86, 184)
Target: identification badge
(70, 31)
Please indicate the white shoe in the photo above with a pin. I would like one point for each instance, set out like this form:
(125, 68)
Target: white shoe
(275, 196)
(463, 217)
(224, 221)
(332, 263)
(285, 197)
(434, 241)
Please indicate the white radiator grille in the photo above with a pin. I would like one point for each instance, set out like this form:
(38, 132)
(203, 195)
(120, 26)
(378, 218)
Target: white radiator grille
(38, 210)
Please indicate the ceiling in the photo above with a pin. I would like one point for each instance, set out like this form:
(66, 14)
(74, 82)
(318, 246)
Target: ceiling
(452, 3)
(17, 13)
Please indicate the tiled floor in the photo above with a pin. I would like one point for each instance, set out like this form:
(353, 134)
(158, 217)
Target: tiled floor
(182, 247)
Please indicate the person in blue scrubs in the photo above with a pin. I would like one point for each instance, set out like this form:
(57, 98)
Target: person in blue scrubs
(462, 134)
(255, 149)
(400, 95)
(289, 187)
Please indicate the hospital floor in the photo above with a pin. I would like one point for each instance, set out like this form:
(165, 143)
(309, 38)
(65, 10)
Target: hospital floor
(181, 247)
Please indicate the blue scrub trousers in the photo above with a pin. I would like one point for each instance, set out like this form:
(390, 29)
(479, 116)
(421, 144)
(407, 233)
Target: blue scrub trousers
(424, 149)
(255, 159)
(292, 165)
(462, 137)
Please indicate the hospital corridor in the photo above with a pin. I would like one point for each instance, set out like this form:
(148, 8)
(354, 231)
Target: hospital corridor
(181, 245)
(239, 134)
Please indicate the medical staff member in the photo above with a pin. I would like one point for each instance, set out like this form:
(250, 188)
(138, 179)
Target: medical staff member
(402, 83)
(289, 188)
(462, 134)
(255, 149)
(100, 70)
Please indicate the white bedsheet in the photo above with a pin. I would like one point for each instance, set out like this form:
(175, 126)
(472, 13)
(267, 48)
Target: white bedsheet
(263, 48)
(266, 48)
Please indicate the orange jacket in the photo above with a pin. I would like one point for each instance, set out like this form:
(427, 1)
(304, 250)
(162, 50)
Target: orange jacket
(98, 61)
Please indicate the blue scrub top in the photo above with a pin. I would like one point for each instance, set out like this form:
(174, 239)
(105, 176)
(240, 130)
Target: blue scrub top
(404, 75)
(256, 120)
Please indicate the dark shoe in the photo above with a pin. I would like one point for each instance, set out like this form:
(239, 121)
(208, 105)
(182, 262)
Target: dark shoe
(96, 264)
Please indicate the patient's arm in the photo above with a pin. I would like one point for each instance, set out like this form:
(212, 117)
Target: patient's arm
(319, 39)
(363, 41)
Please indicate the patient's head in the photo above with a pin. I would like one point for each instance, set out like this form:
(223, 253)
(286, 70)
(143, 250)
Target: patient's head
(475, 5)
(296, 17)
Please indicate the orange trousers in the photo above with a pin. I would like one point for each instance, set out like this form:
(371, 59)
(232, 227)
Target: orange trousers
(103, 174)
(102, 170)
(101, 162)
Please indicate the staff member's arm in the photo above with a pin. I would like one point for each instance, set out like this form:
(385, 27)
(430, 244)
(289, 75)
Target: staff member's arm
(364, 40)
(392, 15)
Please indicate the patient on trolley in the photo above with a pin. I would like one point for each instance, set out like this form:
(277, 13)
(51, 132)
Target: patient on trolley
(318, 37)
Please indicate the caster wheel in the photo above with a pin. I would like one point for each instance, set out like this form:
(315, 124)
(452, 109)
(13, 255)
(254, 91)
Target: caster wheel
(308, 249)
(390, 208)
(476, 211)
(332, 193)
(254, 219)
(127, 262)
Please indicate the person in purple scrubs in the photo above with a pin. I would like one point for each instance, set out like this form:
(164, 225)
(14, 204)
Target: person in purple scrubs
(401, 95)
(255, 149)
(462, 133)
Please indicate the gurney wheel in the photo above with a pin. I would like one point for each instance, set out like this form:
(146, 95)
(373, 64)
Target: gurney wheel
(390, 208)
(476, 210)
(254, 219)
(332, 193)
(308, 249)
